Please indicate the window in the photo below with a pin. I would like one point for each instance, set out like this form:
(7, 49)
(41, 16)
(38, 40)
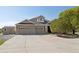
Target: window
(4, 29)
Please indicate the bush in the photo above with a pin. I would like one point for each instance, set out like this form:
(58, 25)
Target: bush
(1, 31)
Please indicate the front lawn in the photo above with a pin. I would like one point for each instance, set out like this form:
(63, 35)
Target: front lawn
(1, 41)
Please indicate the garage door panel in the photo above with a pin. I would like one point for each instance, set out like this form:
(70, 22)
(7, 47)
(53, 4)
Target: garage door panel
(27, 31)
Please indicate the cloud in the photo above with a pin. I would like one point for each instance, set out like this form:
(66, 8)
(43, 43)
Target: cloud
(8, 23)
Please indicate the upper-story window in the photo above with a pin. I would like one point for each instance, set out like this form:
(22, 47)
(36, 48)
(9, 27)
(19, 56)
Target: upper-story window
(40, 20)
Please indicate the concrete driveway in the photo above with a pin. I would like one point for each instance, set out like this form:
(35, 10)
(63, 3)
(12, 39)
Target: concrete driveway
(40, 44)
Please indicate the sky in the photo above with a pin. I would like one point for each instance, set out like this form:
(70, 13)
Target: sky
(10, 15)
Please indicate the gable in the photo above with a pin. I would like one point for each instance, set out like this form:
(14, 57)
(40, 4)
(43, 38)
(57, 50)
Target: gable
(40, 20)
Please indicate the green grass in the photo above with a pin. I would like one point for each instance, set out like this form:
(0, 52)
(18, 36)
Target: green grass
(1, 41)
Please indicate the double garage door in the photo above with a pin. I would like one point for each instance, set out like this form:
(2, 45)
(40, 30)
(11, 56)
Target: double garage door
(32, 30)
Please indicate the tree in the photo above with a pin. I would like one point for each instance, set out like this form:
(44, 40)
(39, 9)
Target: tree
(0, 30)
(72, 17)
(60, 26)
(68, 21)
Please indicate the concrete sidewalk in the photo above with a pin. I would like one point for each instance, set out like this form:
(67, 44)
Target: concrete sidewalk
(39, 44)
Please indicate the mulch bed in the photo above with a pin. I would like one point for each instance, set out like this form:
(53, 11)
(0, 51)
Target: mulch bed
(68, 35)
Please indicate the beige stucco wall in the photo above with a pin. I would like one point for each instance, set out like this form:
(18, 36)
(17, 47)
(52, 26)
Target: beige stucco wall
(31, 29)
(9, 30)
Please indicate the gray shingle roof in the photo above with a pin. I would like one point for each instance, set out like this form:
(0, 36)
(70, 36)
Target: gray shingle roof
(26, 22)
(34, 21)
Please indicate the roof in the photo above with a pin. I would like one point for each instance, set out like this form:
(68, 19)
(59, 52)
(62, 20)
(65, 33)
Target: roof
(26, 22)
(9, 27)
(34, 20)
(37, 17)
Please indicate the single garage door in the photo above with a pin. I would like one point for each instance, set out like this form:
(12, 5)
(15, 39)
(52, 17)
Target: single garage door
(40, 30)
(27, 31)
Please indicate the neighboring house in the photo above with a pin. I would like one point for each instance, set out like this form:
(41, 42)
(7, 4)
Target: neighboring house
(8, 30)
(36, 25)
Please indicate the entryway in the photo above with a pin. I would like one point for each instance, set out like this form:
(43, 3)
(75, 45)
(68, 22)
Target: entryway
(49, 30)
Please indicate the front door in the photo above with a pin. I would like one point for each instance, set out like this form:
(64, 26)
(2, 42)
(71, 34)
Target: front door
(49, 30)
